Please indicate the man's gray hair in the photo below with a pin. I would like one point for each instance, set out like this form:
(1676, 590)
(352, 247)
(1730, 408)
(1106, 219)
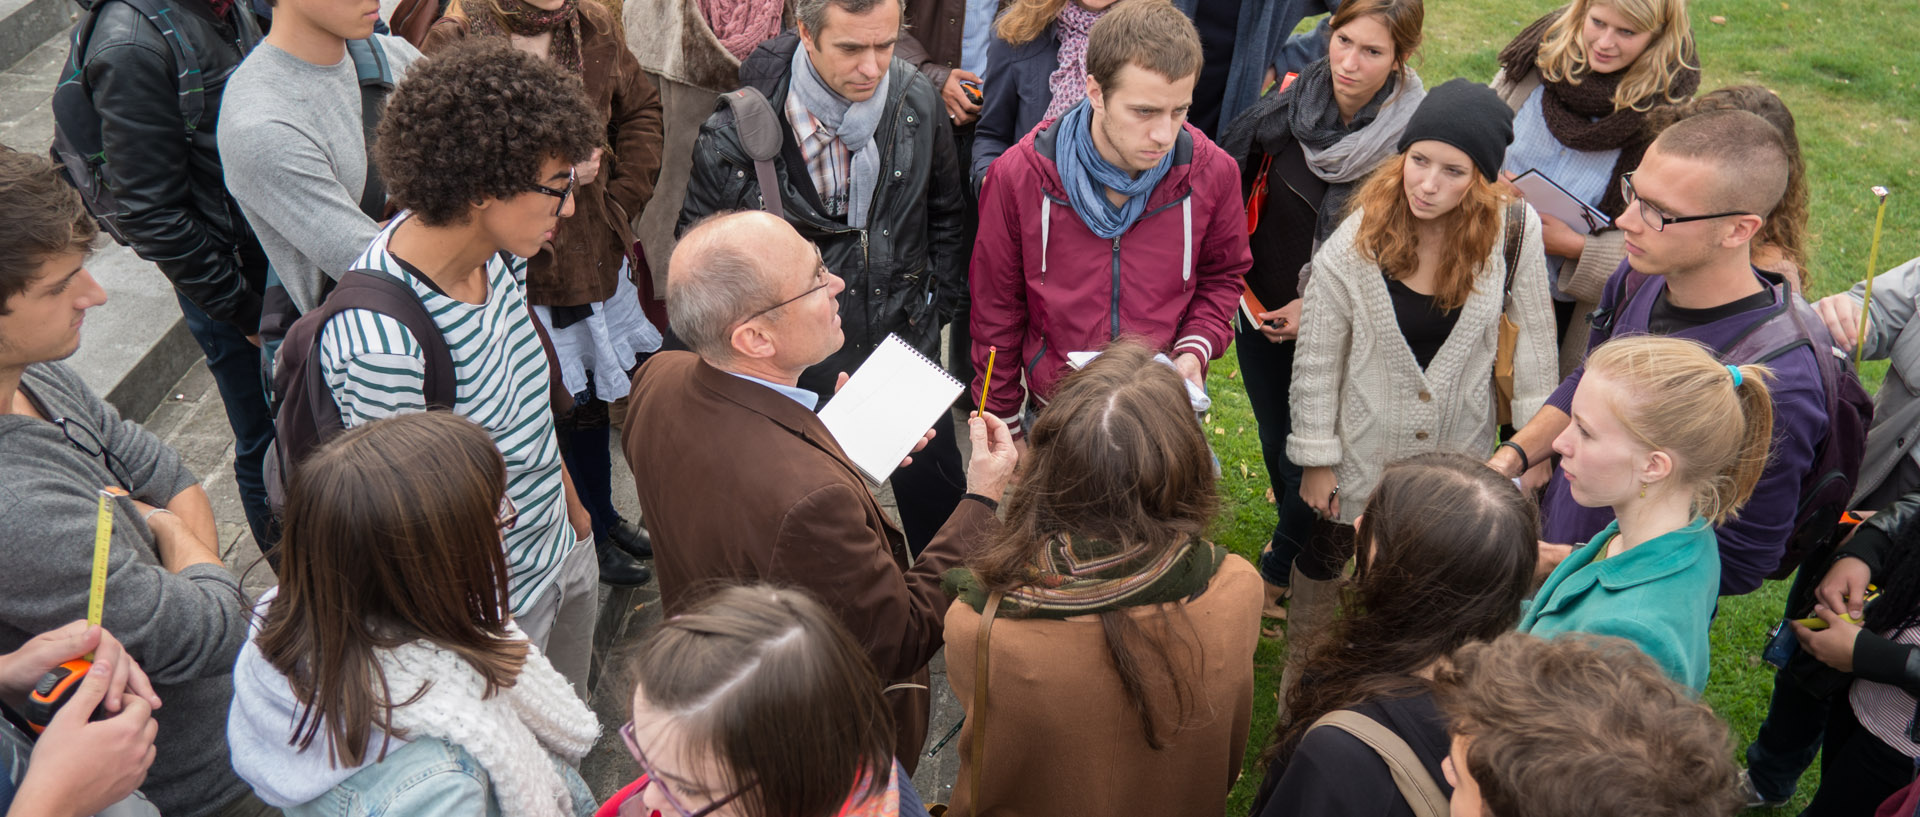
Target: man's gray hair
(812, 14)
(724, 284)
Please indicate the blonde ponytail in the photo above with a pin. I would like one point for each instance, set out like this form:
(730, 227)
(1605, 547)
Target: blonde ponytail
(1680, 400)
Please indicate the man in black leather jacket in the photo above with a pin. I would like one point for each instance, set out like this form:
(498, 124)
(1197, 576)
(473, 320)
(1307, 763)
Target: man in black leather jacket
(905, 269)
(176, 209)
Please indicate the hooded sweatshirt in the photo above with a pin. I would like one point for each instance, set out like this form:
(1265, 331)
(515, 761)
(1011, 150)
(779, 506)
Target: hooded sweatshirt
(1044, 285)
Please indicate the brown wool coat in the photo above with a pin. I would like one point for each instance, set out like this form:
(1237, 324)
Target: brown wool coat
(1062, 738)
(582, 265)
(739, 483)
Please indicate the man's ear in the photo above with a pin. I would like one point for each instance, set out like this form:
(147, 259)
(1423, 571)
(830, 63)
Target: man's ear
(750, 340)
(1743, 230)
(1094, 96)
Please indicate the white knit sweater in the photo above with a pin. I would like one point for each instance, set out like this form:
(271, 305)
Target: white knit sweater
(1360, 401)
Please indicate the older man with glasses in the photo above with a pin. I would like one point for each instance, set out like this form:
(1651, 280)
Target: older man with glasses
(741, 482)
(1688, 223)
(169, 598)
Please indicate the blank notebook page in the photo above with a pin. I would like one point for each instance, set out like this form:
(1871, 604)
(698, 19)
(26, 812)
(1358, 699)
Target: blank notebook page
(888, 405)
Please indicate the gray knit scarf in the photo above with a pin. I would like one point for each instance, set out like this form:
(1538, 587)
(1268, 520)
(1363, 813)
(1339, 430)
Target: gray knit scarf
(853, 123)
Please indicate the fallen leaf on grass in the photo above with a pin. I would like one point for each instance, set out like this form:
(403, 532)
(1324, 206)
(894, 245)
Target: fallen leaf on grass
(1717, 20)
(1244, 473)
(1219, 431)
(1269, 496)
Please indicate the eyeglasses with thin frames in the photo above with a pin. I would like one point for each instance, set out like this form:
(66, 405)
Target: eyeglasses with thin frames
(819, 282)
(666, 791)
(1653, 216)
(562, 195)
(93, 447)
(509, 514)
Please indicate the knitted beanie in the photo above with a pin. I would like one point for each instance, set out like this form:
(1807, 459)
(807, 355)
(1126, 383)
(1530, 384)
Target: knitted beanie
(1466, 115)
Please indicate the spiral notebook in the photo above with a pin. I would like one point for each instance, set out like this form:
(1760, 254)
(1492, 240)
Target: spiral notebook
(888, 405)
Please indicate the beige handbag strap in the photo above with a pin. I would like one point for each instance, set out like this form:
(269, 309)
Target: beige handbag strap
(977, 749)
(1416, 785)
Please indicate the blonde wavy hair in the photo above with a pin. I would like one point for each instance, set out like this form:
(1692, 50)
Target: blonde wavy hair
(1649, 80)
(1025, 19)
(1389, 239)
(1679, 398)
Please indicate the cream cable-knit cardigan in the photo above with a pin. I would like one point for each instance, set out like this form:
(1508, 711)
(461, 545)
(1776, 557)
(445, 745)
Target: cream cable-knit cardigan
(1360, 400)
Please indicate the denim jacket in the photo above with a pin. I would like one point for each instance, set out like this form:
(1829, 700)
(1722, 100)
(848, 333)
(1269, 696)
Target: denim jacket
(426, 778)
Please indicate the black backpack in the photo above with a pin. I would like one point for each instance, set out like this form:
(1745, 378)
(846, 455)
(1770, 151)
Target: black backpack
(1827, 490)
(77, 148)
(304, 412)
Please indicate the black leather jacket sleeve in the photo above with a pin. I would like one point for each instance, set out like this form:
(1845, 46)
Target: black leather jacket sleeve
(1876, 657)
(133, 89)
(946, 216)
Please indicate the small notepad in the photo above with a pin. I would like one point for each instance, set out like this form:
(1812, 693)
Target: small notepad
(888, 405)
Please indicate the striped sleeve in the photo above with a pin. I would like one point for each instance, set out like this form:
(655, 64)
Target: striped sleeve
(373, 365)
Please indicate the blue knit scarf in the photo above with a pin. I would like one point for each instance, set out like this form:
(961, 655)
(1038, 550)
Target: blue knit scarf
(1088, 176)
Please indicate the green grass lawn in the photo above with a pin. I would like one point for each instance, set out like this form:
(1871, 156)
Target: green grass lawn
(1848, 69)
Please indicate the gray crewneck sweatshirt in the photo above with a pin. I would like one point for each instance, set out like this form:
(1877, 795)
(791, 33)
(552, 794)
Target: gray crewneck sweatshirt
(184, 628)
(296, 160)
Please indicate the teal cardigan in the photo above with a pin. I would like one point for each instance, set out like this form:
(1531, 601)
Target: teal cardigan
(1660, 596)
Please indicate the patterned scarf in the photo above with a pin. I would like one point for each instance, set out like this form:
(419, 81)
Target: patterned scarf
(1090, 576)
(1069, 81)
(885, 803)
(1579, 109)
(517, 17)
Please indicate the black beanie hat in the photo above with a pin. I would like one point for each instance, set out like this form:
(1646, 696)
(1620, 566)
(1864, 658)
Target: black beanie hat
(1466, 115)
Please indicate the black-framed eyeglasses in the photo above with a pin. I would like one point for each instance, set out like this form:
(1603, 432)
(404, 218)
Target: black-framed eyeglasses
(562, 195)
(666, 791)
(509, 515)
(1654, 217)
(92, 447)
(820, 274)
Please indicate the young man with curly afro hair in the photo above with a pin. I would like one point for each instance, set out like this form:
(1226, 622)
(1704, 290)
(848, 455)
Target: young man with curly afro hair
(478, 146)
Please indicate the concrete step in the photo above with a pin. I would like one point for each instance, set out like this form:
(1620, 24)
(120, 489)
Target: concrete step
(25, 23)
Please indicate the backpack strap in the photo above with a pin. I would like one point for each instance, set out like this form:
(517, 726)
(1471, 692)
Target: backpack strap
(977, 747)
(1627, 282)
(1416, 784)
(1516, 225)
(760, 134)
(377, 291)
(193, 93)
(376, 81)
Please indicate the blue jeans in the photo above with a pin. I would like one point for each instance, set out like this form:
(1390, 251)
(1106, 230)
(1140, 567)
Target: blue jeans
(235, 363)
(1267, 370)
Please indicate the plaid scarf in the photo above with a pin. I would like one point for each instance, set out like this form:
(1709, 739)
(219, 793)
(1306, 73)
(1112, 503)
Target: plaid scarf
(1091, 576)
(518, 17)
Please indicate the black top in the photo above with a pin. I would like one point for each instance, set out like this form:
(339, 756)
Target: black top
(1215, 21)
(1423, 323)
(1283, 243)
(1333, 772)
(1667, 319)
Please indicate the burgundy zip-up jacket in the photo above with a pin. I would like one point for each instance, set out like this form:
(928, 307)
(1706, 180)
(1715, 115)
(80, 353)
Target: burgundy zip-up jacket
(1044, 285)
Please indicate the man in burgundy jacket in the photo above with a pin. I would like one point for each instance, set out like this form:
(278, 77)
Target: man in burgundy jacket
(1117, 218)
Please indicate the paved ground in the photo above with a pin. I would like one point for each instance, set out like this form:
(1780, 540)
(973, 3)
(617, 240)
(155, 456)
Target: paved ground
(192, 420)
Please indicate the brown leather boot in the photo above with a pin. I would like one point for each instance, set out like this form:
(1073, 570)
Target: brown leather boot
(1315, 603)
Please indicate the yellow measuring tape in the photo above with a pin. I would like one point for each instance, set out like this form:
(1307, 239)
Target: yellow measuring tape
(102, 545)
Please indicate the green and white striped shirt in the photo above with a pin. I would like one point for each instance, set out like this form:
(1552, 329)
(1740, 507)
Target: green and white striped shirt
(375, 368)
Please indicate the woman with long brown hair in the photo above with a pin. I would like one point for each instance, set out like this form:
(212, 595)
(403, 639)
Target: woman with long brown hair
(1450, 552)
(581, 284)
(386, 671)
(757, 702)
(1301, 153)
(1400, 328)
(1109, 622)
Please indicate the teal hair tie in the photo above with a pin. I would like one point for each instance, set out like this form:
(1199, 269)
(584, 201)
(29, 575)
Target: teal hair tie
(1735, 371)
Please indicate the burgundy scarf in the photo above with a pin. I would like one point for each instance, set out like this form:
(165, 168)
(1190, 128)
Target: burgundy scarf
(520, 18)
(1579, 109)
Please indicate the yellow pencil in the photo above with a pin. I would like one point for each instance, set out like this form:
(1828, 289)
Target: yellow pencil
(987, 383)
